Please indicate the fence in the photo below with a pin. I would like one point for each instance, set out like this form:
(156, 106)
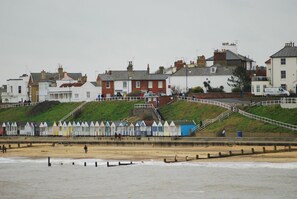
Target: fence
(206, 101)
(149, 106)
(18, 105)
(73, 111)
(267, 120)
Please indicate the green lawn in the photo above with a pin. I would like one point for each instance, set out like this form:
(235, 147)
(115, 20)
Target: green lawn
(182, 110)
(237, 122)
(20, 114)
(275, 112)
(111, 110)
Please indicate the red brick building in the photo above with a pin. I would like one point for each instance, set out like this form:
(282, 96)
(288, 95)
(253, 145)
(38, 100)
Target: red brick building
(132, 81)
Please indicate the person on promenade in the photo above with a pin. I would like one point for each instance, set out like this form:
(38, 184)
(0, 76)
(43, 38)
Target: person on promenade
(86, 148)
(224, 133)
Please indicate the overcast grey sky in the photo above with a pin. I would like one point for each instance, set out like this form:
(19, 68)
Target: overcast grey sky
(91, 36)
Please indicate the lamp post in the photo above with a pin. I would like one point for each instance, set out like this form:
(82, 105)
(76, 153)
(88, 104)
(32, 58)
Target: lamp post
(187, 72)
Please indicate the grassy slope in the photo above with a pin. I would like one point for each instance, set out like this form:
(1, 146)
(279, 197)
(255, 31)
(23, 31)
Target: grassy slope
(19, 114)
(112, 110)
(237, 122)
(182, 110)
(275, 112)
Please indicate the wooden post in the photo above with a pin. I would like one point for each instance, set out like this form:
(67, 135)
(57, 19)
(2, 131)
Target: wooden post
(85, 164)
(242, 152)
(289, 147)
(95, 164)
(208, 155)
(264, 150)
(9, 146)
(187, 158)
(253, 150)
(197, 157)
(72, 163)
(230, 153)
(175, 158)
(107, 164)
(165, 160)
(19, 145)
(49, 162)
(275, 147)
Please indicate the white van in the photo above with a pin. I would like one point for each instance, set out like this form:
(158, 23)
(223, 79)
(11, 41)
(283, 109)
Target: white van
(275, 91)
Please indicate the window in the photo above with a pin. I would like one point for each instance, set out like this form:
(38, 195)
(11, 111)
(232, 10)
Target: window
(258, 88)
(212, 70)
(160, 84)
(284, 86)
(283, 61)
(88, 94)
(107, 84)
(252, 88)
(137, 84)
(283, 74)
(264, 86)
(124, 84)
(20, 89)
(150, 84)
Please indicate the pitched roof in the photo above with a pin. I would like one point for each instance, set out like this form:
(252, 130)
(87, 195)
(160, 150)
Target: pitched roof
(36, 77)
(205, 71)
(287, 51)
(134, 75)
(233, 56)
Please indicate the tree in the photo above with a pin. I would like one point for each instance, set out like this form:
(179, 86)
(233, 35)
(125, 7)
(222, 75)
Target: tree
(240, 79)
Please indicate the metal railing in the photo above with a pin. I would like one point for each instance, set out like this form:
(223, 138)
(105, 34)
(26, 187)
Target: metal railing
(18, 105)
(149, 106)
(119, 99)
(208, 122)
(267, 120)
(73, 111)
(206, 101)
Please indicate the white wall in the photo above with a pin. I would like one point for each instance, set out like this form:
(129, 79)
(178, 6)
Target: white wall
(194, 81)
(12, 95)
(291, 73)
(118, 87)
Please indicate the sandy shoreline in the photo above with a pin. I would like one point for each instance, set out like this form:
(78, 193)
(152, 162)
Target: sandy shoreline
(147, 153)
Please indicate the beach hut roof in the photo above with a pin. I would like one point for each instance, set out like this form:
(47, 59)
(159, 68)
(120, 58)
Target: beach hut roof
(166, 123)
(69, 124)
(41, 125)
(172, 123)
(3, 125)
(92, 124)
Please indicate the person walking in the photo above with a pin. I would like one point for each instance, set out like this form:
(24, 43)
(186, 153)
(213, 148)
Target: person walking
(86, 148)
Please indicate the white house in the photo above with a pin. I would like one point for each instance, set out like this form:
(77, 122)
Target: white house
(187, 78)
(283, 68)
(17, 90)
(68, 90)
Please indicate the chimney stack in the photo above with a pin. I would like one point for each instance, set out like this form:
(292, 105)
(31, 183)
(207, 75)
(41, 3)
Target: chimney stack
(130, 67)
(148, 69)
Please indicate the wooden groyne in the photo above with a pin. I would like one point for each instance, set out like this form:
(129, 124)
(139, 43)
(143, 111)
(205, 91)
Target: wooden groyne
(108, 164)
(230, 154)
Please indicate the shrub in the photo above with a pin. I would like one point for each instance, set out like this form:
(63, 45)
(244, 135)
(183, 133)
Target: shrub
(197, 89)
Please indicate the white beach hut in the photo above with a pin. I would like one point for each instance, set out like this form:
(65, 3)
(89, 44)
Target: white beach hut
(102, 129)
(92, 129)
(166, 129)
(55, 129)
(97, 126)
(131, 130)
(160, 129)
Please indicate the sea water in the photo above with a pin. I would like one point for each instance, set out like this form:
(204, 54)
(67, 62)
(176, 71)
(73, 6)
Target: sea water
(32, 178)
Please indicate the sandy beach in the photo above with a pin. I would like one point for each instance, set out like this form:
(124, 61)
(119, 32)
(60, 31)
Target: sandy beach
(146, 153)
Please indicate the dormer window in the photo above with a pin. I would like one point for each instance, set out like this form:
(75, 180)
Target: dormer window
(213, 70)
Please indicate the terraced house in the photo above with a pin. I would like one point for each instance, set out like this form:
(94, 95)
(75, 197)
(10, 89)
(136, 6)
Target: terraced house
(121, 83)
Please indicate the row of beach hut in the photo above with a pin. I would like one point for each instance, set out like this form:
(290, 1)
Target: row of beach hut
(103, 128)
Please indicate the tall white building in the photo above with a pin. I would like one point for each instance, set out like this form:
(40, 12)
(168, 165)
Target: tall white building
(17, 90)
(283, 68)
